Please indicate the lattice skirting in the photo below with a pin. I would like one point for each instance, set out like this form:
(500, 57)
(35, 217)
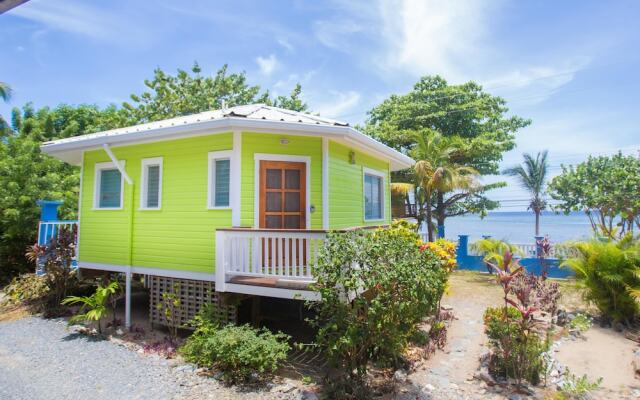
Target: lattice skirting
(193, 295)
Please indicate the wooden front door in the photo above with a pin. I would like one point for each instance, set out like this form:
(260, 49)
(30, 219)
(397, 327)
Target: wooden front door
(283, 195)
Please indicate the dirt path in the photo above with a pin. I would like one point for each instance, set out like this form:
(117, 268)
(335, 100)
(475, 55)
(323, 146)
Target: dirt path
(448, 374)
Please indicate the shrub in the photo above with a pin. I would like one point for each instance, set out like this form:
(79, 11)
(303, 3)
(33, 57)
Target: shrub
(517, 351)
(28, 289)
(542, 293)
(375, 287)
(57, 257)
(578, 387)
(609, 273)
(93, 307)
(236, 351)
(580, 322)
(517, 347)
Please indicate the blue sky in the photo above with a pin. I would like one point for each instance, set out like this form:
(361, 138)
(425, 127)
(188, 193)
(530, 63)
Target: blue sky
(570, 66)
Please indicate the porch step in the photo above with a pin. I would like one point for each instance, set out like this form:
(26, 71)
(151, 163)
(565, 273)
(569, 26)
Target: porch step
(272, 282)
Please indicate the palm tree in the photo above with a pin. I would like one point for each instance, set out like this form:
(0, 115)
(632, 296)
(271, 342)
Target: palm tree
(532, 176)
(5, 91)
(435, 170)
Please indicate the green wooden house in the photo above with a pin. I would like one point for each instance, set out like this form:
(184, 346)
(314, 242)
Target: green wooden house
(240, 198)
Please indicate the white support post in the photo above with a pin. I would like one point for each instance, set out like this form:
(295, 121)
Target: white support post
(236, 165)
(127, 299)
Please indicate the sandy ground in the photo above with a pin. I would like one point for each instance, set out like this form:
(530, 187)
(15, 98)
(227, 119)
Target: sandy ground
(601, 353)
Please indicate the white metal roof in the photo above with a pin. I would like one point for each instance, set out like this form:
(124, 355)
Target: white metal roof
(254, 117)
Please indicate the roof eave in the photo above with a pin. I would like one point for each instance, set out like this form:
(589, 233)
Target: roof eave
(65, 149)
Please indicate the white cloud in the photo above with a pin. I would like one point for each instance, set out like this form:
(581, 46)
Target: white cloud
(82, 19)
(435, 37)
(334, 33)
(339, 105)
(450, 38)
(267, 64)
(284, 42)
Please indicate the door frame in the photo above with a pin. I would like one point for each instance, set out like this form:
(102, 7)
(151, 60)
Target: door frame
(257, 157)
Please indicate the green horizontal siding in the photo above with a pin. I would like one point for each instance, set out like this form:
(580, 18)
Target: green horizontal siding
(179, 236)
(346, 194)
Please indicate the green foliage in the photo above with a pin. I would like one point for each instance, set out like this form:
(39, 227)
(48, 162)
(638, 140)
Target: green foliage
(186, 93)
(57, 257)
(28, 289)
(581, 322)
(465, 114)
(606, 188)
(237, 351)
(5, 91)
(493, 250)
(375, 288)
(171, 306)
(93, 307)
(517, 352)
(609, 274)
(578, 387)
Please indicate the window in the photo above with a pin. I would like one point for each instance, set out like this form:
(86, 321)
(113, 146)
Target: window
(151, 194)
(219, 179)
(109, 185)
(373, 195)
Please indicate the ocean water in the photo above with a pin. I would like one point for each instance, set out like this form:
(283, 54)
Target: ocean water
(519, 227)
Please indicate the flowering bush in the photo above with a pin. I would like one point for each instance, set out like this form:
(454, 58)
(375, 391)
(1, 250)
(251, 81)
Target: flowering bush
(375, 288)
(445, 250)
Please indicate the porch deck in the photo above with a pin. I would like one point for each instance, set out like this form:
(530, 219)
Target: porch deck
(268, 262)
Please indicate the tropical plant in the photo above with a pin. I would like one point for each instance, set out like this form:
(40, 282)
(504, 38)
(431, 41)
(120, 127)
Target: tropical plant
(609, 274)
(93, 307)
(57, 257)
(532, 176)
(375, 288)
(238, 352)
(578, 387)
(493, 251)
(171, 308)
(514, 337)
(465, 113)
(436, 170)
(606, 188)
(5, 91)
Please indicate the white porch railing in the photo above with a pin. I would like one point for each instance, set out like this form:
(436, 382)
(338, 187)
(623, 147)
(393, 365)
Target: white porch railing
(47, 230)
(266, 253)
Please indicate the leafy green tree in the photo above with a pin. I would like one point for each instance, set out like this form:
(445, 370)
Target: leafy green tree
(186, 93)
(606, 188)
(466, 113)
(532, 176)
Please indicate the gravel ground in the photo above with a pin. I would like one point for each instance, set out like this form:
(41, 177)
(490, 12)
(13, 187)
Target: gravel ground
(42, 359)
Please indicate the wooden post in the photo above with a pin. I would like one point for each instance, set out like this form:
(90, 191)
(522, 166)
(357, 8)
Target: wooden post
(127, 300)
